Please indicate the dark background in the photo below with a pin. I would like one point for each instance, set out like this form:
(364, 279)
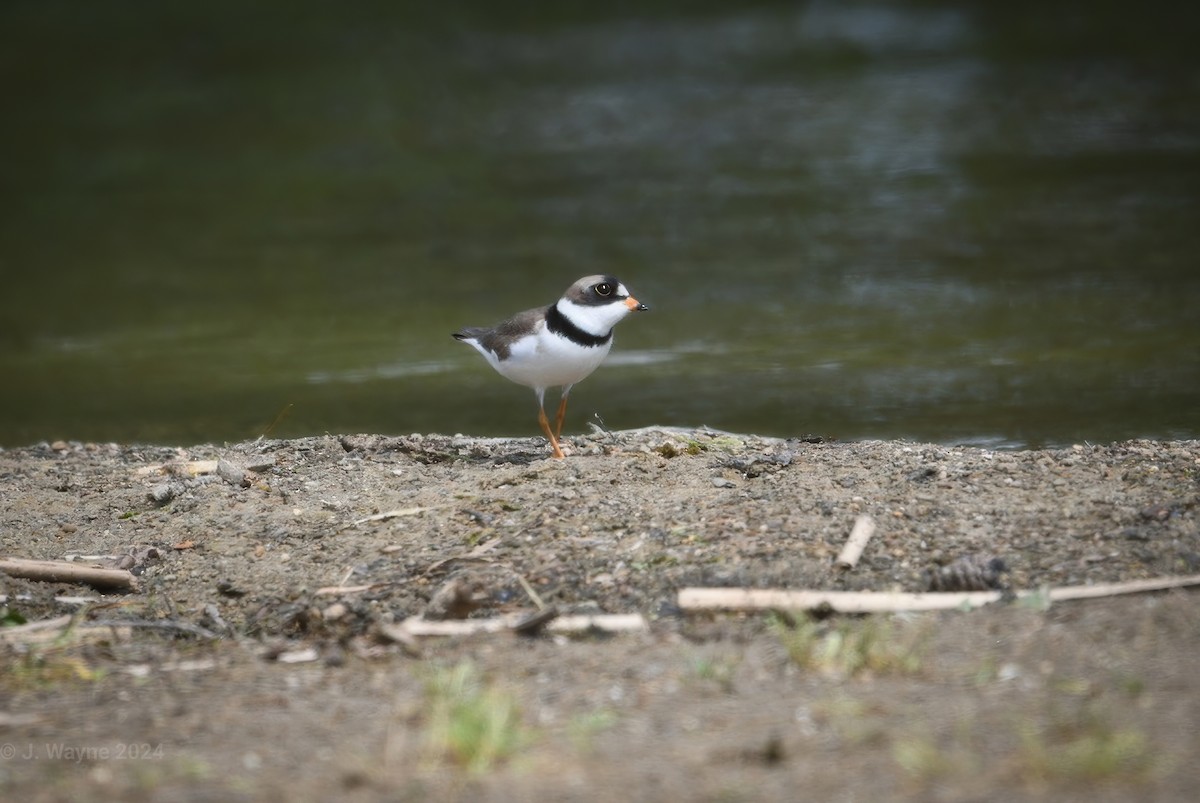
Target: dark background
(961, 222)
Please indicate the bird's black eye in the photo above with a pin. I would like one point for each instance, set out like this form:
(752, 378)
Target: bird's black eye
(604, 289)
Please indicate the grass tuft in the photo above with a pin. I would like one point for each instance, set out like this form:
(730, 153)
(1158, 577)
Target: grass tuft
(851, 647)
(469, 722)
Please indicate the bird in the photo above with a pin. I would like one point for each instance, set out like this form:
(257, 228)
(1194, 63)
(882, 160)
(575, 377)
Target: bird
(558, 345)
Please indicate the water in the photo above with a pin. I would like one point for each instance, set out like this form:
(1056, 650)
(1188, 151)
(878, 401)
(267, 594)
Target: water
(921, 220)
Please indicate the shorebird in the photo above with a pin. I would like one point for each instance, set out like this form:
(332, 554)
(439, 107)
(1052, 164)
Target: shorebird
(558, 345)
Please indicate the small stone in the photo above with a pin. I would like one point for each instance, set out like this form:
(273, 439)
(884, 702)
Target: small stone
(260, 463)
(721, 482)
(162, 493)
(1157, 512)
(233, 474)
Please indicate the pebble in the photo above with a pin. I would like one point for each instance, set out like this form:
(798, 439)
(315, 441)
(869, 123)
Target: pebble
(161, 494)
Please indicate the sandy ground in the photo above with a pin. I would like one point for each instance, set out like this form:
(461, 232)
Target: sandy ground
(234, 672)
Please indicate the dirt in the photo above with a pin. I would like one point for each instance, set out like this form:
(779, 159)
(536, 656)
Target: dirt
(233, 672)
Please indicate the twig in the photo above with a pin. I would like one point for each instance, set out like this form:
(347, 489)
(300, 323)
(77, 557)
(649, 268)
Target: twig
(744, 599)
(390, 514)
(533, 595)
(156, 624)
(864, 528)
(37, 630)
(535, 622)
(416, 626)
(475, 554)
(5, 598)
(61, 571)
(191, 467)
(1114, 589)
(19, 632)
(326, 591)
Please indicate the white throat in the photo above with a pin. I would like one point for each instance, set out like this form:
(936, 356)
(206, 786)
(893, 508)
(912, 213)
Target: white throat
(597, 321)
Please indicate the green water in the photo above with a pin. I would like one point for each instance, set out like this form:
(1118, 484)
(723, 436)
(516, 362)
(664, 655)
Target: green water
(940, 221)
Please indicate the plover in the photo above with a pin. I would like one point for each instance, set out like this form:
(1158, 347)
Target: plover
(558, 345)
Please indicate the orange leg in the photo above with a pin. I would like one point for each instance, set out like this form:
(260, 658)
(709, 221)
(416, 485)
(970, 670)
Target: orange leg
(562, 413)
(545, 422)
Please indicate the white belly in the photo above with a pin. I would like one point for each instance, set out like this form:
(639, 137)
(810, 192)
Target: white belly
(546, 360)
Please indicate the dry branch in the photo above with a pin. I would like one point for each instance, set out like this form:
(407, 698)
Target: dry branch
(744, 599)
(864, 528)
(61, 571)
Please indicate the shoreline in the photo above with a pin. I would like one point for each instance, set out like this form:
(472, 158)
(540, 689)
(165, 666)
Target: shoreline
(287, 565)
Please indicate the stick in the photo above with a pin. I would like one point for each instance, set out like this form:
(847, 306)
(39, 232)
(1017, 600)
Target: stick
(191, 467)
(533, 595)
(1115, 589)
(325, 591)
(15, 633)
(4, 598)
(744, 599)
(156, 624)
(864, 528)
(390, 514)
(18, 632)
(534, 623)
(61, 571)
(613, 623)
(475, 554)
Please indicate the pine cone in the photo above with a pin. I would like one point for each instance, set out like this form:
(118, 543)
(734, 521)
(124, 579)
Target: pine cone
(971, 573)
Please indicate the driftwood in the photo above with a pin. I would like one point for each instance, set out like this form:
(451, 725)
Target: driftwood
(864, 528)
(746, 599)
(61, 571)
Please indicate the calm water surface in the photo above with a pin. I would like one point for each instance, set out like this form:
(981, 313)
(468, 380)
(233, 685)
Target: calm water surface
(941, 221)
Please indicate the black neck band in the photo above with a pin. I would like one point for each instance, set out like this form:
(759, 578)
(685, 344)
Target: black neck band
(561, 325)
